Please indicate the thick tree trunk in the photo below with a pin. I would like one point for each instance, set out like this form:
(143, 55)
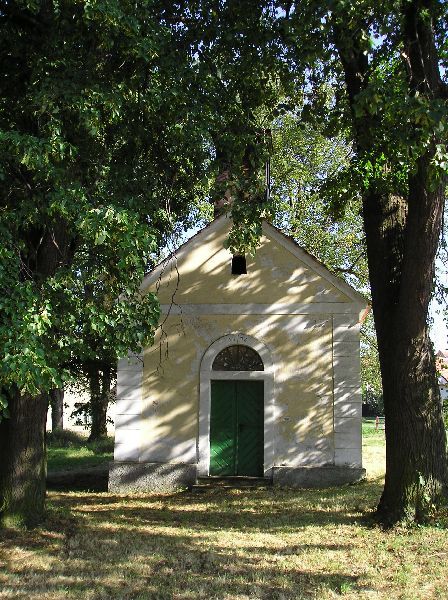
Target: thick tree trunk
(99, 401)
(416, 473)
(402, 235)
(22, 464)
(57, 408)
(402, 241)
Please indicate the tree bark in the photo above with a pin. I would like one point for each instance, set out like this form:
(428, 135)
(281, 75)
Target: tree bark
(402, 236)
(99, 400)
(57, 408)
(22, 464)
(416, 467)
(22, 434)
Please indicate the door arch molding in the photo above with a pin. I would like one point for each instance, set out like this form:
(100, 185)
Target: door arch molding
(205, 377)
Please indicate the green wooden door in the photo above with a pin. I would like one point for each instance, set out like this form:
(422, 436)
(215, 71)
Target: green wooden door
(236, 428)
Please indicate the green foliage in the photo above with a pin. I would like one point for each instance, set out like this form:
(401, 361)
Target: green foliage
(25, 325)
(247, 218)
(303, 159)
(100, 156)
(371, 385)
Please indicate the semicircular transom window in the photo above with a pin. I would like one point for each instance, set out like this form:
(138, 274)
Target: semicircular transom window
(238, 358)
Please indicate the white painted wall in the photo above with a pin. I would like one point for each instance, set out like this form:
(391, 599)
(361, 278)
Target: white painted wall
(71, 398)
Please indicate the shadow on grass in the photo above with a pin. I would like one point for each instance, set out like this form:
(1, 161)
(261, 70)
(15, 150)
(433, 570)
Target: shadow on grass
(222, 544)
(127, 564)
(240, 509)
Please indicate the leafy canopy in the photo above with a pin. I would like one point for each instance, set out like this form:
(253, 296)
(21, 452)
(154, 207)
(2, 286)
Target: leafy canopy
(100, 155)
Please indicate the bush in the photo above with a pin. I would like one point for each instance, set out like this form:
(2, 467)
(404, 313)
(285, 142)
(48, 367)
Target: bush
(102, 446)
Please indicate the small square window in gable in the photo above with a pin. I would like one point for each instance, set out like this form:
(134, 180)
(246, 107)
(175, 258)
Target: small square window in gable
(239, 265)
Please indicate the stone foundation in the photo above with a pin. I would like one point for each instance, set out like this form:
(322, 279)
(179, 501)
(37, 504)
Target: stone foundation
(167, 477)
(316, 477)
(150, 477)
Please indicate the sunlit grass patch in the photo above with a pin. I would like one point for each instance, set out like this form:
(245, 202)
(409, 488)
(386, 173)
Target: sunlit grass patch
(254, 544)
(373, 449)
(67, 450)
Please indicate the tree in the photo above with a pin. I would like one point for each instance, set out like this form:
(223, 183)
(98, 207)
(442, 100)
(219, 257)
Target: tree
(403, 199)
(102, 120)
(108, 321)
(397, 109)
(57, 408)
(303, 159)
(98, 153)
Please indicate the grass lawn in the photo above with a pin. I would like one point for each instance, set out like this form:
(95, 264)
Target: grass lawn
(68, 451)
(231, 545)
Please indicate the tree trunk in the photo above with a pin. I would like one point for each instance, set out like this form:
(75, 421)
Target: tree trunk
(23, 464)
(402, 236)
(416, 473)
(57, 408)
(99, 401)
(401, 267)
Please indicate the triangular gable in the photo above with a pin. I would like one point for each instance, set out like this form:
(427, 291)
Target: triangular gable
(302, 278)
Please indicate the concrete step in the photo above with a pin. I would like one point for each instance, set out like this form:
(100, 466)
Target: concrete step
(237, 482)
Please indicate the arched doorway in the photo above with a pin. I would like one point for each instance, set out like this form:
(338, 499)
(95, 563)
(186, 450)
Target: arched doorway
(236, 415)
(236, 408)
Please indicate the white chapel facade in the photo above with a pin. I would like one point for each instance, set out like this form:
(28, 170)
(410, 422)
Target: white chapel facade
(254, 374)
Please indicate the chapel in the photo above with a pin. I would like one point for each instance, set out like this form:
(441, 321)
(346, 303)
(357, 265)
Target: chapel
(254, 372)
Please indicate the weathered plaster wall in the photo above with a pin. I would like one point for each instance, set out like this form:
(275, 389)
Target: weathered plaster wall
(128, 409)
(347, 392)
(302, 354)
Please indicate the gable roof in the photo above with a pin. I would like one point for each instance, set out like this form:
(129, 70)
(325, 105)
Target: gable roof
(270, 231)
